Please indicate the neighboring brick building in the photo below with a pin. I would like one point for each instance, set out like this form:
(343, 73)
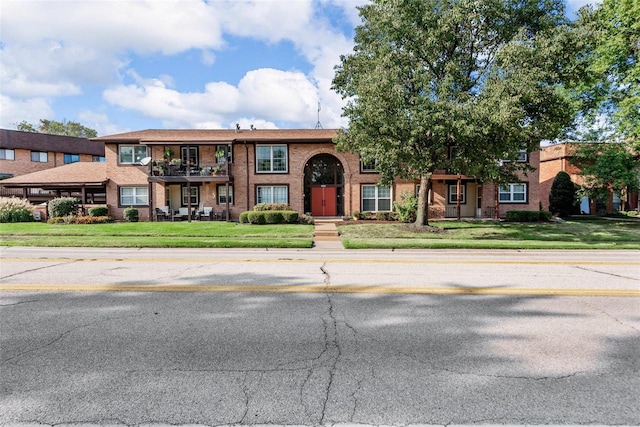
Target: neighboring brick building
(23, 153)
(556, 158)
(178, 169)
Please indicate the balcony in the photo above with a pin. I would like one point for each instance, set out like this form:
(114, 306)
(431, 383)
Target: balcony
(163, 171)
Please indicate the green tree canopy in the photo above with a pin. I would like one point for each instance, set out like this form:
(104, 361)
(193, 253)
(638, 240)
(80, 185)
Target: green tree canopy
(611, 89)
(454, 84)
(53, 127)
(608, 167)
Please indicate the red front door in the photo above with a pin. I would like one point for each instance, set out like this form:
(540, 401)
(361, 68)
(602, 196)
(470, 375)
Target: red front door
(323, 201)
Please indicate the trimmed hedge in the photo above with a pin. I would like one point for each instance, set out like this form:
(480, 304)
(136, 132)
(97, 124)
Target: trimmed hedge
(272, 207)
(99, 211)
(268, 217)
(528, 216)
(63, 206)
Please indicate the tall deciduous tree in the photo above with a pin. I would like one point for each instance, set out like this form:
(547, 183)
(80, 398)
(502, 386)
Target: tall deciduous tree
(608, 167)
(53, 127)
(612, 88)
(454, 84)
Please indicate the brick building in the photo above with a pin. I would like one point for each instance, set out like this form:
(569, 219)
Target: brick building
(173, 172)
(556, 158)
(27, 153)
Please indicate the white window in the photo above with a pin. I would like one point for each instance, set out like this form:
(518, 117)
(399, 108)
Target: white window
(131, 154)
(271, 158)
(513, 193)
(272, 194)
(39, 156)
(134, 196)
(195, 196)
(453, 194)
(223, 195)
(522, 157)
(7, 154)
(376, 198)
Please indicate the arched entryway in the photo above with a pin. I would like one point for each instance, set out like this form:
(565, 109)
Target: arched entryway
(324, 186)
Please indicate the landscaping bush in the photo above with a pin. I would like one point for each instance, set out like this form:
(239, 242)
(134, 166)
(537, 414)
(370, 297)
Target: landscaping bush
(273, 217)
(384, 216)
(528, 216)
(63, 206)
(291, 217)
(562, 198)
(269, 217)
(272, 207)
(131, 214)
(306, 219)
(256, 217)
(72, 219)
(99, 211)
(407, 209)
(13, 209)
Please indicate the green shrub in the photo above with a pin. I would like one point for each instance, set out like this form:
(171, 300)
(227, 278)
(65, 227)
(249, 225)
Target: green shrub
(13, 209)
(407, 209)
(562, 198)
(256, 217)
(306, 219)
(291, 217)
(63, 206)
(131, 214)
(269, 217)
(528, 216)
(356, 215)
(272, 207)
(273, 217)
(99, 211)
(383, 216)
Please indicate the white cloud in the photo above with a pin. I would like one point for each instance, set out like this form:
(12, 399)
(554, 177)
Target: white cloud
(60, 48)
(31, 110)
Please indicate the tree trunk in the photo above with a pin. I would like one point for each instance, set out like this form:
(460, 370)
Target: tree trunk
(422, 216)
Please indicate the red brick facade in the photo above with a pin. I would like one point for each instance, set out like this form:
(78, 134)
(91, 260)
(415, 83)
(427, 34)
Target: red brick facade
(304, 150)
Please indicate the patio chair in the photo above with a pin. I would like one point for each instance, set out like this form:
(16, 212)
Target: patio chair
(206, 213)
(162, 215)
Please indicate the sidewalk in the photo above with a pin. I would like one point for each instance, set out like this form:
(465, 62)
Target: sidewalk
(325, 235)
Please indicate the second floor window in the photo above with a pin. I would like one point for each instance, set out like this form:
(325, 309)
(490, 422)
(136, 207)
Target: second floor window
(71, 158)
(7, 154)
(39, 156)
(271, 158)
(131, 154)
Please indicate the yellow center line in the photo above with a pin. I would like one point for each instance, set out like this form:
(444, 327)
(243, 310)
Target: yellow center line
(308, 261)
(416, 290)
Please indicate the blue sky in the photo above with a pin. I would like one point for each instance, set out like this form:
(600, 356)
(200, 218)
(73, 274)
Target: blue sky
(120, 65)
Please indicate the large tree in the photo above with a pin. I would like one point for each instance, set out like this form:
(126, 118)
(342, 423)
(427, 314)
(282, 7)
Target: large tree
(611, 89)
(454, 84)
(53, 127)
(608, 167)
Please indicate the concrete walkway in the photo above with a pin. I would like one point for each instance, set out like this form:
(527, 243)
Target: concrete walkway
(325, 235)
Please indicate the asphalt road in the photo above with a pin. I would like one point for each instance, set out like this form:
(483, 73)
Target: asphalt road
(223, 337)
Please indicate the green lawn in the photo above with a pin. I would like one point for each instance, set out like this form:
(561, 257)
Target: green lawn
(573, 234)
(590, 233)
(158, 235)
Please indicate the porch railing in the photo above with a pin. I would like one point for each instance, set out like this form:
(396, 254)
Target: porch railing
(161, 168)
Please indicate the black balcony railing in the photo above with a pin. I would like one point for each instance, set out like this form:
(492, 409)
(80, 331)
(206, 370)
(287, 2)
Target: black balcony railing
(170, 169)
